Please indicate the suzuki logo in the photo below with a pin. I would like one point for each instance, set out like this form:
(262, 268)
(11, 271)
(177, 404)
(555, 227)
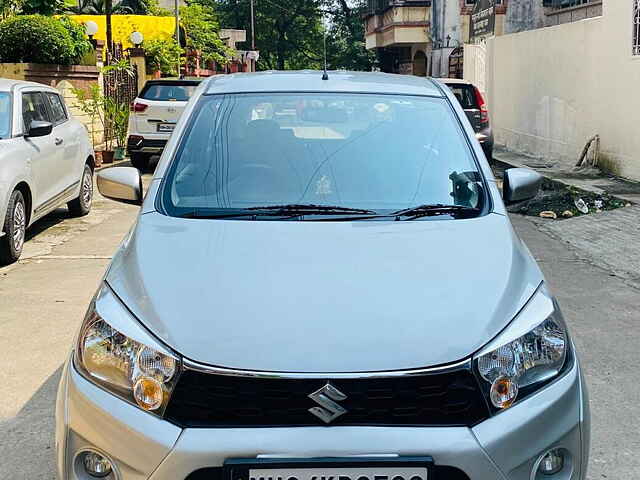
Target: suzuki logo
(327, 397)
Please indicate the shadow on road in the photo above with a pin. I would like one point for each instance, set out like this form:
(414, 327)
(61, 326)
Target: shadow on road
(27, 445)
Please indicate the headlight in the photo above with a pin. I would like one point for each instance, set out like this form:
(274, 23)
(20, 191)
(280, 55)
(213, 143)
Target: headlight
(115, 352)
(532, 350)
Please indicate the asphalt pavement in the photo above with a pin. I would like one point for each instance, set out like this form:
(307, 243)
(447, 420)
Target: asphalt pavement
(44, 297)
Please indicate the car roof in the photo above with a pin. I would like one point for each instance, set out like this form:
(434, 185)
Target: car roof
(174, 81)
(311, 81)
(7, 84)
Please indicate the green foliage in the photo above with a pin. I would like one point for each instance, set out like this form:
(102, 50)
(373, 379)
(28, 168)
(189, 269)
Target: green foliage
(98, 7)
(201, 26)
(40, 39)
(112, 116)
(91, 102)
(81, 45)
(117, 120)
(162, 55)
(345, 39)
(155, 9)
(9, 7)
(289, 33)
(42, 7)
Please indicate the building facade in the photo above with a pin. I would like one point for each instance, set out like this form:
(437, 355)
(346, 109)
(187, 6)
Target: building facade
(400, 33)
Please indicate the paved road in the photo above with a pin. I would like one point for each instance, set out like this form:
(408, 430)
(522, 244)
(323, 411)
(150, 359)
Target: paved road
(43, 298)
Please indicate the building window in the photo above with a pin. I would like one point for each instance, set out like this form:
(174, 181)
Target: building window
(636, 27)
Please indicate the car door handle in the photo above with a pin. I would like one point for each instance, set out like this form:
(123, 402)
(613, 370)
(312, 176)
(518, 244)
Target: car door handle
(59, 141)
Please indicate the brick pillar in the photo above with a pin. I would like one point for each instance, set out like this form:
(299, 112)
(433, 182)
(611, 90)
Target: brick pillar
(137, 58)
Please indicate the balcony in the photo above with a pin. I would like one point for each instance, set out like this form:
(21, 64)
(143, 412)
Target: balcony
(397, 23)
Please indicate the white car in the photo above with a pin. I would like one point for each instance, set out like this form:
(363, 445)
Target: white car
(46, 160)
(153, 117)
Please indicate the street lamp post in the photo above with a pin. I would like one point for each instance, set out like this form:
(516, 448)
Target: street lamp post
(253, 37)
(177, 13)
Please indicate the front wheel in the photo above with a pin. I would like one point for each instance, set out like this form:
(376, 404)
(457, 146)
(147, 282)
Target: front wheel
(81, 206)
(15, 227)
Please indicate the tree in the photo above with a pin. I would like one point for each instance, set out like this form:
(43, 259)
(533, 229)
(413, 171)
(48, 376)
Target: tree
(346, 45)
(289, 33)
(201, 27)
(42, 7)
(97, 7)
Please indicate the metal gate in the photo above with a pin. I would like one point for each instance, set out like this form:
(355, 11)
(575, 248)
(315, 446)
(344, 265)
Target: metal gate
(120, 84)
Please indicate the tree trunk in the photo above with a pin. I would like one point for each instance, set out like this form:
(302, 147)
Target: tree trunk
(107, 10)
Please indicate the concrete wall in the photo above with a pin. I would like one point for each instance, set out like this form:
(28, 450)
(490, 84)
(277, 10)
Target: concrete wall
(551, 89)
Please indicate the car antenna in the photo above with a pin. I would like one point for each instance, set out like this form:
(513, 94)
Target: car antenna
(325, 75)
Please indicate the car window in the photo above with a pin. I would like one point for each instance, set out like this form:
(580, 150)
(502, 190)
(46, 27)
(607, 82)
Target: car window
(377, 152)
(465, 94)
(57, 108)
(34, 109)
(168, 92)
(5, 115)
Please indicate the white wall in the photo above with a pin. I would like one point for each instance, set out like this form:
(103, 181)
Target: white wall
(551, 89)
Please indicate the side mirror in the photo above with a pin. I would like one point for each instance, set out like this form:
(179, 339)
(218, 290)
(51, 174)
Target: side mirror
(38, 128)
(520, 184)
(122, 184)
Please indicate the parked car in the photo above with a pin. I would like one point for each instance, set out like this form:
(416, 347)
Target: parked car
(153, 117)
(46, 160)
(476, 109)
(334, 294)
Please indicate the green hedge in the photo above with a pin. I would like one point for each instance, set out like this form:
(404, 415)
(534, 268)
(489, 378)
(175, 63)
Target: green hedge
(40, 39)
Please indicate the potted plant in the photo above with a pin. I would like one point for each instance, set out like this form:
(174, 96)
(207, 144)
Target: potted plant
(91, 102)
(117, 118)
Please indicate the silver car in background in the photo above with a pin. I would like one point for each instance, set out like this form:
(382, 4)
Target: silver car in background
(46, 161)
(322, 283)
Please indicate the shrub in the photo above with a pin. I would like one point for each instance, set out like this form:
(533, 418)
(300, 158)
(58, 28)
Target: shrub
(40, 39)
(163, 55)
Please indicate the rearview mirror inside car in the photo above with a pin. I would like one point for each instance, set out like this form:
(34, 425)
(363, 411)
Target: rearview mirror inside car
(123, 184)
(38, 128)
(520, 184)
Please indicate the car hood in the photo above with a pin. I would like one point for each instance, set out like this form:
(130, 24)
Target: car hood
(326, 297)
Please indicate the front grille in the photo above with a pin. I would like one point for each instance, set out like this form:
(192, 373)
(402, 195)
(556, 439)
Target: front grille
(451, 398)
(440, 472)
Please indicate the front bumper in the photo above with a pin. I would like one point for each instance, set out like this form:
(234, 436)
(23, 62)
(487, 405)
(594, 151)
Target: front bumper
(142, 446)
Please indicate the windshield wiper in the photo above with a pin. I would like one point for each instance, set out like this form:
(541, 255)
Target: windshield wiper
(437, 209)
(311, 209)
(293, 210)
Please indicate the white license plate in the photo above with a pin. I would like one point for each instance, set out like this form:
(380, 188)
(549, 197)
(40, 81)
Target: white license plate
(358, 473)
(166, 127)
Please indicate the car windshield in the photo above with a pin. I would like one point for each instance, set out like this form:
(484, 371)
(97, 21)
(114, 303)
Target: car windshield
(5, 115)
(381, 153)
(180, 92)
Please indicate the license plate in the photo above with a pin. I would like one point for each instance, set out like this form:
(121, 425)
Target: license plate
(329, 469)
(338, 474)
(166, 127)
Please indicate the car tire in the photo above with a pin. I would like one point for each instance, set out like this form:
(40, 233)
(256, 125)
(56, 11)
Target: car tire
(81, 206)
(140, 161)
(15, 227)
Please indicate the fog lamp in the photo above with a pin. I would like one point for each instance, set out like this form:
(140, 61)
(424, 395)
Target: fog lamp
(148, 393)
(96, 465)
(503, 392)
(552, 462)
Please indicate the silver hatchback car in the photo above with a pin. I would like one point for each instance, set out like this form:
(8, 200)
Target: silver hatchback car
(322, 284)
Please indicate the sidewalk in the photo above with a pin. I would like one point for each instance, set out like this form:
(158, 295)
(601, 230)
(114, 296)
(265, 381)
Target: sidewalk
(609, 239)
